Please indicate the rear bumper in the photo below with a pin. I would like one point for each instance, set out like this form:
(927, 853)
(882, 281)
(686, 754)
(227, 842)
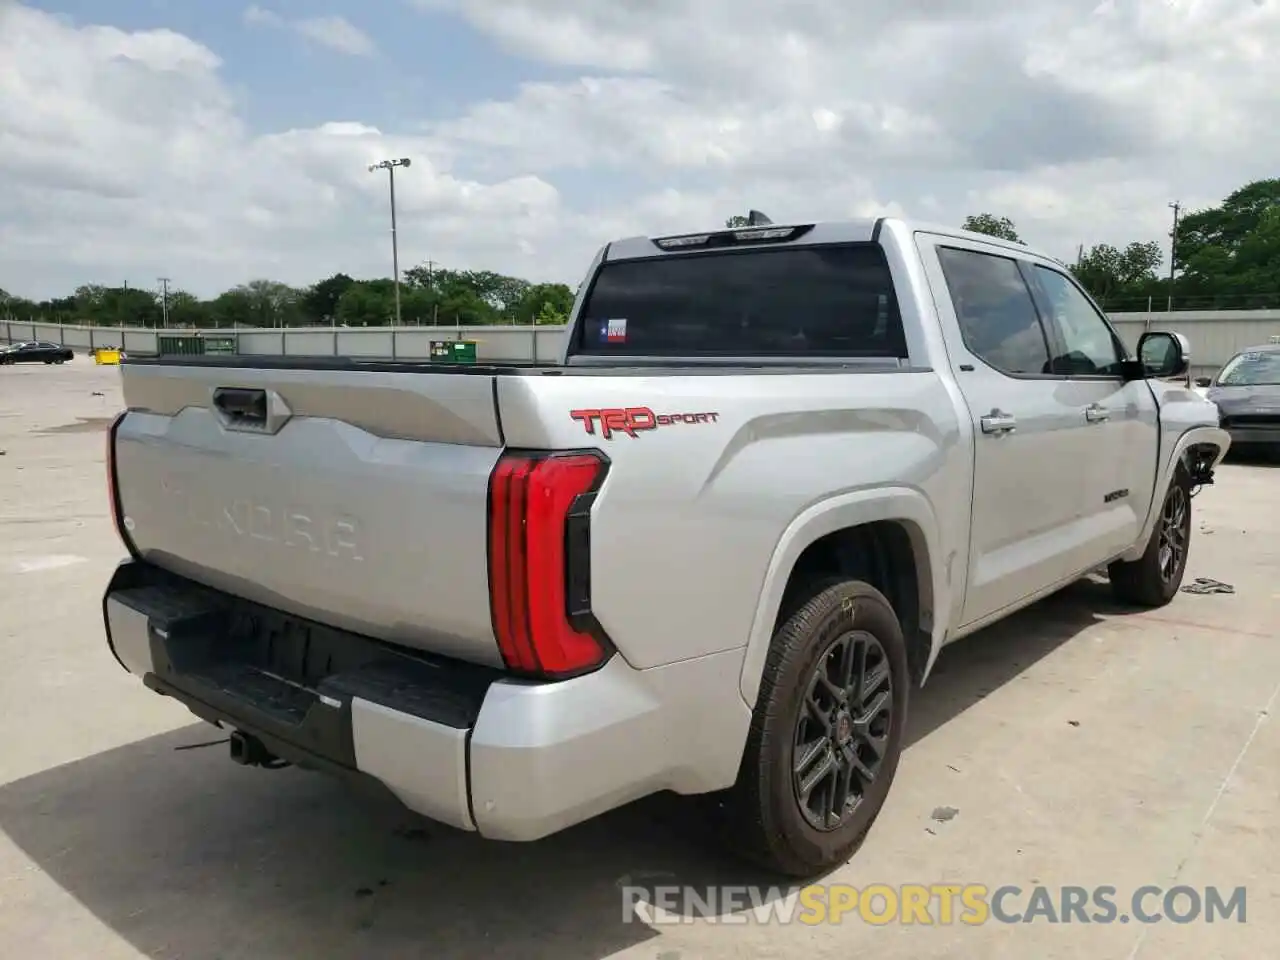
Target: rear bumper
(461, 744)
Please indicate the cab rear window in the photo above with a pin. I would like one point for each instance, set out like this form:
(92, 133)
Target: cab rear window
(822, 301)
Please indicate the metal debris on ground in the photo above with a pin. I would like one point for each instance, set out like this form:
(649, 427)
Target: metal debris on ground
(943, 814)
(1203, 585)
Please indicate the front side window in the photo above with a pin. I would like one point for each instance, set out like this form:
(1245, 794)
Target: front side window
(1089, 348)
(998, 319)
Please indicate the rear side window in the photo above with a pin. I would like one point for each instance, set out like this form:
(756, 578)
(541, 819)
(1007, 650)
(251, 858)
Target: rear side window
(799, 301)
(998, 318)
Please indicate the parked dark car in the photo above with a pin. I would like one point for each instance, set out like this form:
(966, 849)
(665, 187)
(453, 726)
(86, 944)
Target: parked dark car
(35, 351)
(1247, 392)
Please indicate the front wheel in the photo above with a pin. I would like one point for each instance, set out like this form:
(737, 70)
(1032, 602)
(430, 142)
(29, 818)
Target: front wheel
(826, 734)
(1155, 578)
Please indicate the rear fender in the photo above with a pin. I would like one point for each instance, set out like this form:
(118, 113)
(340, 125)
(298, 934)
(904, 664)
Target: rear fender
(905, 505)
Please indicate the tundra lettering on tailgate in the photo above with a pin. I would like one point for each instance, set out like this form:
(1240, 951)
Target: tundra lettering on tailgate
(634, 420)
(289, 525)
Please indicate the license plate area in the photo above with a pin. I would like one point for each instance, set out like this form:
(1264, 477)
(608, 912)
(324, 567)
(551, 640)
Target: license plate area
(235, 662)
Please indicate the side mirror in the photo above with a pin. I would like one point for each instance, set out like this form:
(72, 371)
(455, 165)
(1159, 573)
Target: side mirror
(1164, 354)
(1203, 381)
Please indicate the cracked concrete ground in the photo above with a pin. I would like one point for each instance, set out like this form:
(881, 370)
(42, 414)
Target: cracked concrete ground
(1077, 744)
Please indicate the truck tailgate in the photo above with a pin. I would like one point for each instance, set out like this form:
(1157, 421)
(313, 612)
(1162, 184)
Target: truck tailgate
(352, 497)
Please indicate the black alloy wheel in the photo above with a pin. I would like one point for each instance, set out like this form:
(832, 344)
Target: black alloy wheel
(842, 735)
(1175, 531)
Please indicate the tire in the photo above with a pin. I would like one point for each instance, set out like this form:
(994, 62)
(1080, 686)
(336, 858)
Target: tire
(1154, 579)
(768, 819)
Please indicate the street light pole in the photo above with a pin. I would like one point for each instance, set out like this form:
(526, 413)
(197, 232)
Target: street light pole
(1176, 207)
(390, 167)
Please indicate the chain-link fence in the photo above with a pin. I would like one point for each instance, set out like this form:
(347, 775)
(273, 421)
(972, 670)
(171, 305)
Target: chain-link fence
(1222, 301)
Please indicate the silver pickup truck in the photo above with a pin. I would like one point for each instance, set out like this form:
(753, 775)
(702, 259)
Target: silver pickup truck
(714, 550)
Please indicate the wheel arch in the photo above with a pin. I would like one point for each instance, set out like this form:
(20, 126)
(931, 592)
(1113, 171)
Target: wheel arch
(1195, 449)
(899, 528)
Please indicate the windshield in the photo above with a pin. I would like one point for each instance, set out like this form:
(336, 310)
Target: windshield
(1251, 370)
(835, 300)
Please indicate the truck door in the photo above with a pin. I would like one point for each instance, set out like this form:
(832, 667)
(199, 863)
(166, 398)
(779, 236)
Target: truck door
(1027, 532)
(1116, 421)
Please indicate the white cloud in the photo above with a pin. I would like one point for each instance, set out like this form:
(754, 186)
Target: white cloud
(127, 155)
(258, 16)
(338, 34)
(1081, 122)
(335, 32)
(123, 157)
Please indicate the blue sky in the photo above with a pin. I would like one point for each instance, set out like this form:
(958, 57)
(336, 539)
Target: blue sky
(429, 64)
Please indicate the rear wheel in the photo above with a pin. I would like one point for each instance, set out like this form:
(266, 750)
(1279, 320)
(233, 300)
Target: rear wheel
(826, 734)
(1154, 579)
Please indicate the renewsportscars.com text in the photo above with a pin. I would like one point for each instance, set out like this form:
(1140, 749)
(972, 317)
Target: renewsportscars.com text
(932, 904)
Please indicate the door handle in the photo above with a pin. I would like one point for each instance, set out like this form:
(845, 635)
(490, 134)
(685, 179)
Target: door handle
(1096, 414)
(250, 410)
(246, 407)
(997, 421)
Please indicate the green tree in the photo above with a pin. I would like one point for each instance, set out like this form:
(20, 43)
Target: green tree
(188, 311)
(17, 308)
(544, 299)
(418, 306)
(114, 306)
(550, 314)
(1231, 249)
(274, 304)
(480, 295)
(368, 303)
(737, 220)
(992, 226)
(320, 302)
(1108, 272)
(462, 305)
(234, 308)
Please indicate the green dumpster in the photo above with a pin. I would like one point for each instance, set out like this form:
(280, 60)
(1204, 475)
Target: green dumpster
(453, 351)
(223, 346)
(180, 345)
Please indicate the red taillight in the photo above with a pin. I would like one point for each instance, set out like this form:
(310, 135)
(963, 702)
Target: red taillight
(538, 561)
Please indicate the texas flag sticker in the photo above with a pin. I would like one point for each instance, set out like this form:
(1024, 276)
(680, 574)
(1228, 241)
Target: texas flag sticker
(615, 331)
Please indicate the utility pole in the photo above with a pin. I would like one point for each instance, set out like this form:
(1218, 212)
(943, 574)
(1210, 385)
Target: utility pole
(435, 300)
(164, 302)
(390, 167)
(431, 282)
(1176, 207)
